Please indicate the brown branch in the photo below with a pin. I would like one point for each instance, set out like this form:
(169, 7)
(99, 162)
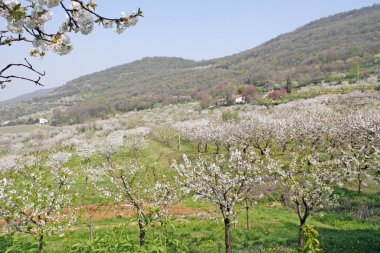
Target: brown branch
(69, 14)
(7, 40)
(85, 7)
(4, 79)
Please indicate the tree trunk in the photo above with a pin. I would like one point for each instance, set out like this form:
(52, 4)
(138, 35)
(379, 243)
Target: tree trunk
(302, 219)
(228, 147)
(217, 149)
(206, 148)
(42, 244)
(154, 174)
(300, 234)
(227, 235)
(359, 184)
(142, 232)
(91, 228)
(247, 216)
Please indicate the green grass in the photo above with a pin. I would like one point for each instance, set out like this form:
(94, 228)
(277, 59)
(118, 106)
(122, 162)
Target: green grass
(22, 129)
(271, 228)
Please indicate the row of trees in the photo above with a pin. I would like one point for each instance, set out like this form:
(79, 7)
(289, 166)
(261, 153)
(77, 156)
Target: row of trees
(309, 151)
(308, 158)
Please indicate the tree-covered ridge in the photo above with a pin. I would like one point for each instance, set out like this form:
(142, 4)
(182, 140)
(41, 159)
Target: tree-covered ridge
(342, 47)
(317, 49)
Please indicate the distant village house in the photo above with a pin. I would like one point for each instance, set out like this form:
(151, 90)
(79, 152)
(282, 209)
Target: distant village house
(43, 121)
(377, 70)
(239, 99)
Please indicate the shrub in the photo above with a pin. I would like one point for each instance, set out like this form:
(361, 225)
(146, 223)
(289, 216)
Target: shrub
(6, 241)
(276, 87)
(276, 94)
(230, 116)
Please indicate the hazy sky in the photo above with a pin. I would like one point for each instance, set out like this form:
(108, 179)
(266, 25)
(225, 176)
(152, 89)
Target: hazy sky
(196, 29)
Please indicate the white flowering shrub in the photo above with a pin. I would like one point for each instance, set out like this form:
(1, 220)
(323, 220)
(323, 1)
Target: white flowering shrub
(167, 135)
(221, 180)
(128, 180)
(308, 180)
(35, 195)
(360, 147)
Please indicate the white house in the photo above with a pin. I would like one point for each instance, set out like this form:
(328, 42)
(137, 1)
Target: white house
(239, 100)
(43, 121)
(377, 70)
(6, 123)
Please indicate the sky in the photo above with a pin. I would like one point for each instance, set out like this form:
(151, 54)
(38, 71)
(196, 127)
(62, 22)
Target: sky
(196, 29)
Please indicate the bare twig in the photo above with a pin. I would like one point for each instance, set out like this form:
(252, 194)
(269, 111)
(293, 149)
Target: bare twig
(4, 79)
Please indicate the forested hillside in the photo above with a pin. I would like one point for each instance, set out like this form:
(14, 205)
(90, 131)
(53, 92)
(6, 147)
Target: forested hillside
(346, 44)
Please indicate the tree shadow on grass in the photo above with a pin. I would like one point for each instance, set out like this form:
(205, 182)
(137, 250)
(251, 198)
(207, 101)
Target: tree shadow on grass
(335, 240)
(280, 237)
(354, 198)
(355, 240)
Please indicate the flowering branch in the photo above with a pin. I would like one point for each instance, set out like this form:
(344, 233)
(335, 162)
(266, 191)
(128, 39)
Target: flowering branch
(26, 22)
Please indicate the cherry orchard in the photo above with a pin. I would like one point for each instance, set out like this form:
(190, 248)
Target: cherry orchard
(26, 21)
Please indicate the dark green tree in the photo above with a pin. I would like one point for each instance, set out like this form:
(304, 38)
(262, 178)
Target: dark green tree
(288, 85)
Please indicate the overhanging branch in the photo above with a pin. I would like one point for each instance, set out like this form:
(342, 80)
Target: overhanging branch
(7, 78)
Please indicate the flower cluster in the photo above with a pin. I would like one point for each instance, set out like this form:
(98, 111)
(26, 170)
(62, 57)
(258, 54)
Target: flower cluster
(36, 199)
(28, 21)
(222, 181)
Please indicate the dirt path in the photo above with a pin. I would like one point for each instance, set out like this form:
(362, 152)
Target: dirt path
(103, 212)
(109, 212)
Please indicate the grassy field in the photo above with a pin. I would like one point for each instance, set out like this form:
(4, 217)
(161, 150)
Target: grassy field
(22, 128)
(273, 229)
(354, 226)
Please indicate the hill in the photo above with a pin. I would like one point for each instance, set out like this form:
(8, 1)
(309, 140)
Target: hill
(319, 49)
(28, 96)
(346, 43)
